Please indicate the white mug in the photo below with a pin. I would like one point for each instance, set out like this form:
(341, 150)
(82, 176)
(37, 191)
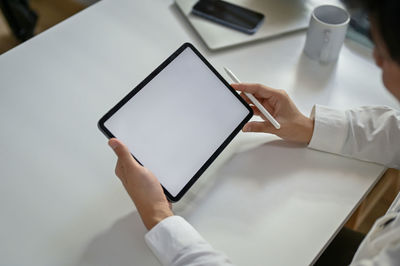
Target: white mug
(326, 33)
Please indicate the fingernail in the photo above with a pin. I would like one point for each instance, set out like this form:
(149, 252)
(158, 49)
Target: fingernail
(113, 144)
(247, 129)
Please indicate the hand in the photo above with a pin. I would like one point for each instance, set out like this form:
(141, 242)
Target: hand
(141, 185)
(294, 125)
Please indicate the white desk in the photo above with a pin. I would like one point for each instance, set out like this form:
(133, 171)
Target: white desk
(263, 202)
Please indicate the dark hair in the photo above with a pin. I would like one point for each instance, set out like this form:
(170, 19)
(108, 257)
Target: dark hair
(386, 15)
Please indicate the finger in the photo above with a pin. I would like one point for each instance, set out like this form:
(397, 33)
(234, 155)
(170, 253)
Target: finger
(269, 107)
(122, 152)
(255, 126)
(244, 96)
(257, 89)
(119, 172)
(256, 111)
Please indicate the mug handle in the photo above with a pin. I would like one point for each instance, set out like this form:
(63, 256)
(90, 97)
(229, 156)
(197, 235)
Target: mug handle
(323, 57)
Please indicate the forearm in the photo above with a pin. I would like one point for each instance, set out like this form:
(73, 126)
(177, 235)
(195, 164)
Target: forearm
(366, 133)
(175, 242)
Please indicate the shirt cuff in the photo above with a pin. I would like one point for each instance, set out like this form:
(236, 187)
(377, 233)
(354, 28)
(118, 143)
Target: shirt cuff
(330, 129)
(170, 236)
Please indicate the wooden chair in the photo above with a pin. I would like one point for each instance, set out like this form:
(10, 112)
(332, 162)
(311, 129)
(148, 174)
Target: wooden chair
(376, 202)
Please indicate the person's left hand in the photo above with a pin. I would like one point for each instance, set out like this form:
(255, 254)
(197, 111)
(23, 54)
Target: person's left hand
(141, 185)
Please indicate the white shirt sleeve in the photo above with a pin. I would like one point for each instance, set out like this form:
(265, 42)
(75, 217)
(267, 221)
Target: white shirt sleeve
(175, 242)
(381, 246)
(366, 133)
(370, 134)
(390, 256)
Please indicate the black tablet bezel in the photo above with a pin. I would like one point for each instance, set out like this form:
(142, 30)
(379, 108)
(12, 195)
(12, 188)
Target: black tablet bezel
(132, 93)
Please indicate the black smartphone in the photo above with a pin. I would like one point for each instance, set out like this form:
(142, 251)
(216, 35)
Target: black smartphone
(230, 15)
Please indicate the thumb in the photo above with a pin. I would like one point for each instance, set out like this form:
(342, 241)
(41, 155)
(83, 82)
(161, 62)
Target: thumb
(255, 126)
(121, 151)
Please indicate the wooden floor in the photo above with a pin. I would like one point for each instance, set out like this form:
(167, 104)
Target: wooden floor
(52, 12)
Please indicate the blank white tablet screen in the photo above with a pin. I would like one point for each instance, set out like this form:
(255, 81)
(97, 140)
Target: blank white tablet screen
(178, 120)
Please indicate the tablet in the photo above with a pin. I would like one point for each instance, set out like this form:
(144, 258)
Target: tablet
(178, 119)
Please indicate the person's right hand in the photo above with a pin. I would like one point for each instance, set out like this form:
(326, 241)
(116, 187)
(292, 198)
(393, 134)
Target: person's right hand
(141, 185)
(294, 125)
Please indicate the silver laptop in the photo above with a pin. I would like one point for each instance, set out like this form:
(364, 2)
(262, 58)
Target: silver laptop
(281, 16)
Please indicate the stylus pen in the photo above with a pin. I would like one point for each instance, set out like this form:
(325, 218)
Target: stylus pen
(255, 101)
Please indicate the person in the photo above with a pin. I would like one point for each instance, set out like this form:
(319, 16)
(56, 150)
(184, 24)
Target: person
(20, 17)
(366, 133)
